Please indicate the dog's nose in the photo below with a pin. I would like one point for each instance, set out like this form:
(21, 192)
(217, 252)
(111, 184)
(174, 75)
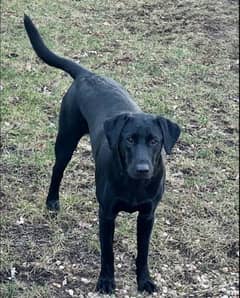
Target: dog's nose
(142, 168)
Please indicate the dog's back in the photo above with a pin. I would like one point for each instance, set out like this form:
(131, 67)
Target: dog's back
(97, 97)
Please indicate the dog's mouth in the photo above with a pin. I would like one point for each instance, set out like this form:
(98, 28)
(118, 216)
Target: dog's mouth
(140, 171)
(140, 176)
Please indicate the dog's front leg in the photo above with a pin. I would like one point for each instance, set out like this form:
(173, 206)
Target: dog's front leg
(106, 283)
(144, 229)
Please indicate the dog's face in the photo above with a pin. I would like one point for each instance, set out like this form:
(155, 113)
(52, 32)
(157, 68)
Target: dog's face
(137, 141)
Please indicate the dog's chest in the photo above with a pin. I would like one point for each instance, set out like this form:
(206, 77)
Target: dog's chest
(131, 206)
(134, 201)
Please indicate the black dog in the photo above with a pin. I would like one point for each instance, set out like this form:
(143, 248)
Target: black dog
(126, 145)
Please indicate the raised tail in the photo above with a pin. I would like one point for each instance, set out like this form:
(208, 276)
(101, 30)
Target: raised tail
(49, 57)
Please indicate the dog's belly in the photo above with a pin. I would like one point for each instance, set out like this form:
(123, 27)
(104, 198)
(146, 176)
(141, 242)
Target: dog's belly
(133, 206)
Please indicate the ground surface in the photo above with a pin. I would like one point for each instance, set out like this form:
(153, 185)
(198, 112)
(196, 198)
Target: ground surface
(178, 59)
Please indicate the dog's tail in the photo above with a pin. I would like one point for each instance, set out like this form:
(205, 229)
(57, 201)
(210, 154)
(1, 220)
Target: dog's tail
(49, 57)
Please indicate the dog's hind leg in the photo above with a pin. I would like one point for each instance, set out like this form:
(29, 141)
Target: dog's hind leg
(72, 126)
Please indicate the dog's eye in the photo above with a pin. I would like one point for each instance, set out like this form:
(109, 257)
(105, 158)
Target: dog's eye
(153, 141)
(130, 140)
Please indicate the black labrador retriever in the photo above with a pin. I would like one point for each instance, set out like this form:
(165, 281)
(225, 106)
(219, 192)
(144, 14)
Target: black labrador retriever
(127, 149)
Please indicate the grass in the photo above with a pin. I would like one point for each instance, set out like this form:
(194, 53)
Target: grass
(178, 59)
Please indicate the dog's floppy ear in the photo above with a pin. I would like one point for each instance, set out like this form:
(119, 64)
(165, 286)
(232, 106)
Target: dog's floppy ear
(113, 128)
(171, 132)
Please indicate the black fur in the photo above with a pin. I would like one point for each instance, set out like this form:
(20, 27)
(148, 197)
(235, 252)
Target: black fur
(126, 145)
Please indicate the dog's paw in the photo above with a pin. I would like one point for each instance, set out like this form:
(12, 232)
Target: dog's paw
(105, 285)
(147, 285)
(53, 206)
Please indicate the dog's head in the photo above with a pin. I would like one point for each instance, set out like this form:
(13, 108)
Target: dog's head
(137, 140)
